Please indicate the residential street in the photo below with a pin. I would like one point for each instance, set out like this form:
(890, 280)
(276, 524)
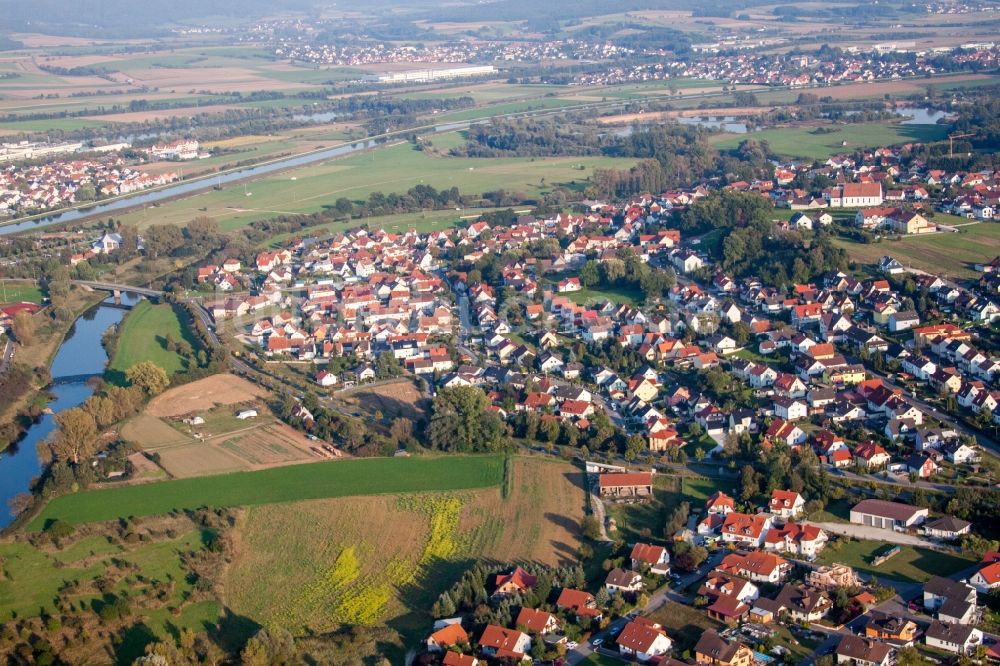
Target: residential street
(958, 426)
(667, 592)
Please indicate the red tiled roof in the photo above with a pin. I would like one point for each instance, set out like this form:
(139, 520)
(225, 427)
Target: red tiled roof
(450, 635)
(640, 634)
(500, 638)
(626, 479)
(533, 620)
(644, 552)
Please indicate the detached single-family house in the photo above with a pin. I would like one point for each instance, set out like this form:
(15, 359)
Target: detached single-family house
(655, 557)
(623, 580)
(957, 638)
(500, 642)
(863, 651)
(786, 504)
(644, 640)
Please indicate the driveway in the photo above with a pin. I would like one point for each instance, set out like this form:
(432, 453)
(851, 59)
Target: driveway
(876, 534)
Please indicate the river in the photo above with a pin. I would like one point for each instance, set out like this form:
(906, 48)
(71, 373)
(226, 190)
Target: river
(80, 355)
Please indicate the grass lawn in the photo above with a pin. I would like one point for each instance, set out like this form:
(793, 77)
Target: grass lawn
(64, 124)
(633, 520)
(143, 337)
(911, 564)
(684, 624)
(34, 578)
(622, 295)
(837, 511)
(394, 168)
(803, 142)
(20, 292)
(371, 476)
(944, 254)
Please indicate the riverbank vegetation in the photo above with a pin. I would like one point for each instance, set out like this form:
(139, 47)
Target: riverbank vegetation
(23, 385)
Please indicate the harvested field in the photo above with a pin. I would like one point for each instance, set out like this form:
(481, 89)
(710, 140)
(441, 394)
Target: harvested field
(215, 79)
(267, 445)
(37, 40)
(198, 459)
(145, 469)
(222, 443)
(538, 522)
(151, 433)
(394, 400)
(223, 389)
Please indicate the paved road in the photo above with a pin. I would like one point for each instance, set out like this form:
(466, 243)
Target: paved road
(8, 356)
(888, 480)
(875, 534)
(464, 321)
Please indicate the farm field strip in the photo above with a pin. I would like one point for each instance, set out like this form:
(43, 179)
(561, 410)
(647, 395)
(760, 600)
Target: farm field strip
(369, 476)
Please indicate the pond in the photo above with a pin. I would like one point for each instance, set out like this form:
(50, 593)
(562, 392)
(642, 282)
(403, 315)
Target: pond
(915, 116)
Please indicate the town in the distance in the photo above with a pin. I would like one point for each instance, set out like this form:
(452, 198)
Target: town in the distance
(483, 334)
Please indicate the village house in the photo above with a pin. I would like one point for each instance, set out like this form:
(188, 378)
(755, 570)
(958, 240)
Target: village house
(956, 638)
(500, 642)
(889, 627)
(745, 530)
(449, 634)
(582, 604)
(644, 640)
(758, 566)
(863, 652)
(786, 504)
(656, 558)
(952, 601)
(536, 621)
(623, 580)
(713, 650)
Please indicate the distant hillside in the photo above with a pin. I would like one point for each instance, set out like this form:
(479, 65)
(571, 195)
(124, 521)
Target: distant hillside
(125, 18)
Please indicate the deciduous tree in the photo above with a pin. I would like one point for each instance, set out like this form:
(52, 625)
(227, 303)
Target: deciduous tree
(76, 437)
(148, 376)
